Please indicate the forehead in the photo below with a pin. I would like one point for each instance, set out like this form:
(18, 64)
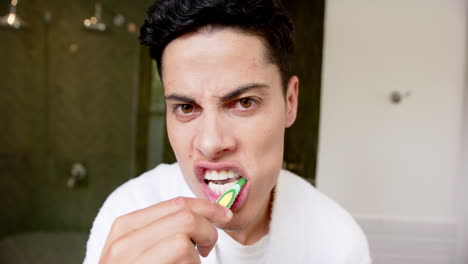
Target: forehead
(215, 57)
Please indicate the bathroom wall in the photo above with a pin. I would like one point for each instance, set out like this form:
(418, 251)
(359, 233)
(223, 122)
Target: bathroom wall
(394, 166)
(67, 95)
(462, 182)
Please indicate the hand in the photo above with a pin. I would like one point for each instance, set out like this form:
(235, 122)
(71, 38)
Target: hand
(165, 232)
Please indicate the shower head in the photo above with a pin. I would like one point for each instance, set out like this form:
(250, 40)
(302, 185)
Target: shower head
(94, 22)
(97, 26)
(12, 20)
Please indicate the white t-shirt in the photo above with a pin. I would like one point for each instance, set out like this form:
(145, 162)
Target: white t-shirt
(229, 251)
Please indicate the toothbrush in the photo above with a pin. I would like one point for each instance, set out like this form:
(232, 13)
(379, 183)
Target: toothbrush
(228, 198)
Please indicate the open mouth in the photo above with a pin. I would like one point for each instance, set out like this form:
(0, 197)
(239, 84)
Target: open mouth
(217, 178)
(220, 182)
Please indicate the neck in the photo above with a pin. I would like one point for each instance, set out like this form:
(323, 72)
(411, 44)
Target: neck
(257, 229)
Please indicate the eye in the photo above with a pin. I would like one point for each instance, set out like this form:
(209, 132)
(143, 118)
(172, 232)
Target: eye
(246, 102)
(186, 108)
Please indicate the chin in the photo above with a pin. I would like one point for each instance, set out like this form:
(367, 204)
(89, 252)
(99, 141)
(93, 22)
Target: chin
(236, 224)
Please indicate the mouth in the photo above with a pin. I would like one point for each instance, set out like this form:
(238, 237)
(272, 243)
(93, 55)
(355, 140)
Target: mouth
(220, 182)
(217, 178)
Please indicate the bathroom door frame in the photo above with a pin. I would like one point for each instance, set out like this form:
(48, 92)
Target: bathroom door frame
(462, 179)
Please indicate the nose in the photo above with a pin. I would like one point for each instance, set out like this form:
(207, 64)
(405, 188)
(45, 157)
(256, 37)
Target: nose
(214, 138)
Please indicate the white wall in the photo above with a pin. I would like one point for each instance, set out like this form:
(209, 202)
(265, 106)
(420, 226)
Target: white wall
(462, 194)
(394, 164)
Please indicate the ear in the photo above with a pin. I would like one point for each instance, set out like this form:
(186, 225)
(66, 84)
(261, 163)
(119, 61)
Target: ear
(292, 94)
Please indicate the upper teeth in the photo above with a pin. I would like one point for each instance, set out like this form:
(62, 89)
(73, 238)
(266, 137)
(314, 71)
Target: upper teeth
(222, 175)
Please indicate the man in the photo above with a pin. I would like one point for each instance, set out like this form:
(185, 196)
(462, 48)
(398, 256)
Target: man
(229, 98)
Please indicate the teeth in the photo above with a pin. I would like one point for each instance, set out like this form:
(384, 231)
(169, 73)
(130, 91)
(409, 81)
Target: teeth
(222, 175)
(232, 174)
(214, 175)
(220, 188)
(229, 186)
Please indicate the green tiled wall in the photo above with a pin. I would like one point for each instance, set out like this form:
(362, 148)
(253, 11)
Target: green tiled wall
(66, 95)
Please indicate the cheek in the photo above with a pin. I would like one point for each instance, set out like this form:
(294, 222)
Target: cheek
(179, 137)
(265, 144)
(269, 138)
(270, 149)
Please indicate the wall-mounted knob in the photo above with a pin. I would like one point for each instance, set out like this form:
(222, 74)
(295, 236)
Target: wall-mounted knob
(396, 97)
(77, 174)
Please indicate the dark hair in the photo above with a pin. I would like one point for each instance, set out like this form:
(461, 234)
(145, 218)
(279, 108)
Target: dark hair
(168, 19)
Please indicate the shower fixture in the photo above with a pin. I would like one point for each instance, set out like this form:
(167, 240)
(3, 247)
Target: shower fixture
(12, 20)
(94, 22)
(78, 175)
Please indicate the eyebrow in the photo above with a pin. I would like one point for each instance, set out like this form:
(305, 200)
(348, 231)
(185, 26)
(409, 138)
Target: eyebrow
(241, 90)
(182, 98)
(229, 96)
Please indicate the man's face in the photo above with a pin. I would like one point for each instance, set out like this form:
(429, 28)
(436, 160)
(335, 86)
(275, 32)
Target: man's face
(226, 116)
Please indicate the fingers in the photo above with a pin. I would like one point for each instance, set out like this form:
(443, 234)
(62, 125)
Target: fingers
(198, 229)
(212, 211)
(175, 249)
(132, 235)
(194, 227)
